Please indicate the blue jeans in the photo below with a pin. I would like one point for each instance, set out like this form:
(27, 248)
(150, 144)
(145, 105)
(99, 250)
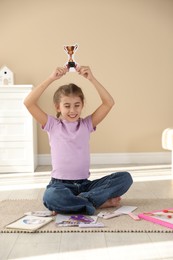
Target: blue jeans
(84, 196)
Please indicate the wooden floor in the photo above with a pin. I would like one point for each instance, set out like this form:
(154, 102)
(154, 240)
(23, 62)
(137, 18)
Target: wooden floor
(149, 182)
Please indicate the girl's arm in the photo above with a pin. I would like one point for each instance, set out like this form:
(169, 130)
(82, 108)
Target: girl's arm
(107, 100)
(31, 100)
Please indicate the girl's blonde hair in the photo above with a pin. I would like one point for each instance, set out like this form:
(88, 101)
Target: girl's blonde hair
(67, 90)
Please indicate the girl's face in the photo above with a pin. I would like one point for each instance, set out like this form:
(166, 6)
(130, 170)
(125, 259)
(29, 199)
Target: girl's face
(70, 108)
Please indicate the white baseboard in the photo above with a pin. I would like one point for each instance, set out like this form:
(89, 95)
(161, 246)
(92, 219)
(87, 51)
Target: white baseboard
(119, 158)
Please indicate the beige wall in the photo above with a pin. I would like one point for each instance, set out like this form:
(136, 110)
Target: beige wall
(127, 43)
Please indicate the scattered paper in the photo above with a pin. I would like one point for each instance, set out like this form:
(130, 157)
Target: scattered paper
(74, 220)
(45, 213)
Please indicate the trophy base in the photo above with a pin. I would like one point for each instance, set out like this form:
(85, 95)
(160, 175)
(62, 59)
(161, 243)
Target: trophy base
(72, 69)
(71, 66)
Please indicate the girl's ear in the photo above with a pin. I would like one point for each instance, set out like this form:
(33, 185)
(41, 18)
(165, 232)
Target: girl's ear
(57, 107)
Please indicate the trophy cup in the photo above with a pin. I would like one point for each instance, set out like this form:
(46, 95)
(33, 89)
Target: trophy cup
(70, 50)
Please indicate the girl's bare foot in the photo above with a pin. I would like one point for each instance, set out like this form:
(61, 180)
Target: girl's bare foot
(114, 202)
(54, 213)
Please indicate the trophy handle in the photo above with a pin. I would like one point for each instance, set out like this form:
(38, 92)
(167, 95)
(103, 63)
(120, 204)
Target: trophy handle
(65, 48)
(75, 47)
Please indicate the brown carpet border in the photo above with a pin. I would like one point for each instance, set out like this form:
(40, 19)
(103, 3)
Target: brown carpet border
(11, 210)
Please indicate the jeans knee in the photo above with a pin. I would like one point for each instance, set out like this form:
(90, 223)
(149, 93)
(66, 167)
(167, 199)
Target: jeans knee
(47, 197)
(128, 178)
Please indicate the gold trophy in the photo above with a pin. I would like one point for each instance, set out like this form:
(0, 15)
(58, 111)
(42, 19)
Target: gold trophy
(70, 50)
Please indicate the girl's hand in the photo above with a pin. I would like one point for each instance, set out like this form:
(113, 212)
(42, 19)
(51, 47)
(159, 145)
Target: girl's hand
(58, 73)
(85, 72)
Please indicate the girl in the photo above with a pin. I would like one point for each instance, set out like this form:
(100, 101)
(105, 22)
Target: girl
(70, 190)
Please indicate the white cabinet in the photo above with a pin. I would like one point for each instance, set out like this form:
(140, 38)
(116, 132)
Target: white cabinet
(18, 131)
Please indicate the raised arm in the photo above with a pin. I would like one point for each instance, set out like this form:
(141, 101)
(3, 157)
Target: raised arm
(107, 100)
(31, 100)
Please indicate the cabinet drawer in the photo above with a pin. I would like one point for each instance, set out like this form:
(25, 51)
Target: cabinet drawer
(12, 104)
(16, 129)
(16, 153)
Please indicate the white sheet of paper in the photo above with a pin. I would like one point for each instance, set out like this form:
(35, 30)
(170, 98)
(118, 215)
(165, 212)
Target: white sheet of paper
(126, 209)
(122, 210)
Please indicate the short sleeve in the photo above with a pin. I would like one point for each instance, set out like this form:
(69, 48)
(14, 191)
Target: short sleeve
(50, 123)
(88, 121)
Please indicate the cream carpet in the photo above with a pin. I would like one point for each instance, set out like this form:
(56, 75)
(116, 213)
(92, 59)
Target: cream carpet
(11, 210)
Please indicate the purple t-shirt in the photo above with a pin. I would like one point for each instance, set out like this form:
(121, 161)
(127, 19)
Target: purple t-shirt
(70, 152)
